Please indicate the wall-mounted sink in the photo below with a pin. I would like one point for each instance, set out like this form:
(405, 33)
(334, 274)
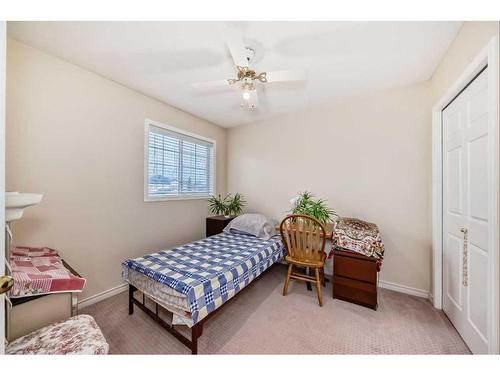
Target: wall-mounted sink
(16, 202)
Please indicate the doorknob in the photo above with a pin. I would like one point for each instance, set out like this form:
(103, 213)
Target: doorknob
(6, 282)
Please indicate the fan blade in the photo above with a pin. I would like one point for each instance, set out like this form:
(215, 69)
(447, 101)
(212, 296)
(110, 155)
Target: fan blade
(234, 43)
(285, 75)
(211, 85)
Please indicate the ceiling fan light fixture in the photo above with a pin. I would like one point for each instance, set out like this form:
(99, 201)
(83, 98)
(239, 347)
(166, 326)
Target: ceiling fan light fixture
(247, 87)
(247, 78)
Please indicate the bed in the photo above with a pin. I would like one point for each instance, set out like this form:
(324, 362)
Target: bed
(194, 280)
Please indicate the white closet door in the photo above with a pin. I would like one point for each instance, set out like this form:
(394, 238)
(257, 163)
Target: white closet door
(466, 254)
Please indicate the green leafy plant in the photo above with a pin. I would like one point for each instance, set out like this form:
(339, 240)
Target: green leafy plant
(218, 205)
(228, 205)
(305, 204)
(236, 204)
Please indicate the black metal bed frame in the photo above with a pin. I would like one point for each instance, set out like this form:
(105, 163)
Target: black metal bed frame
(196, 329)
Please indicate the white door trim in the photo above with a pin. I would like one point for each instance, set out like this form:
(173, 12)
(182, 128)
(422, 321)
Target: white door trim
(487, 56)
(3, 63)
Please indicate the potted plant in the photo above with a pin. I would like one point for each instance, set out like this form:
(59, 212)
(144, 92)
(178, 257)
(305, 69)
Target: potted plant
(305, 204)
(226, 206)
(218, 205)
(236, 204)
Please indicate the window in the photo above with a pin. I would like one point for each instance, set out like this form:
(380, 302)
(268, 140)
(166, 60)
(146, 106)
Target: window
(178, 164)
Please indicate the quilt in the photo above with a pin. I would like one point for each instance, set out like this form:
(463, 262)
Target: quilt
(42, 274)
(24, 251)
(358, 236)
(210, 271)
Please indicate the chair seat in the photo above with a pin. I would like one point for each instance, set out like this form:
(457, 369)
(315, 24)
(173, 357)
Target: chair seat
(77, 335)
(307, 263)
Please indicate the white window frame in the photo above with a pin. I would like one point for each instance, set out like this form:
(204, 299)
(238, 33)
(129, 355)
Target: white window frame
(147, 198)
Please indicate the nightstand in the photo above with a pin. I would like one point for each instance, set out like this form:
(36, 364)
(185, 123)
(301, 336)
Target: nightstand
(216, 224)
(355, 278)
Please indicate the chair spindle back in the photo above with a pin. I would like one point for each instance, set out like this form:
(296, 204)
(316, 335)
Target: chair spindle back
(304, 238)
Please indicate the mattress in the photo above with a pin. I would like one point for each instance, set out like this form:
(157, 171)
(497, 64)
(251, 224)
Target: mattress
(205, 273)
(165, 296)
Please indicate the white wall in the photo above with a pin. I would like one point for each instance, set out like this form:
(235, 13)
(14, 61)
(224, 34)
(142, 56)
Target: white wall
(472, 37)
(370, 157)
(79, 139)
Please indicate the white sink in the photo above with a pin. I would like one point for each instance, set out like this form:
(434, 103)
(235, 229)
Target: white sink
(16, 202)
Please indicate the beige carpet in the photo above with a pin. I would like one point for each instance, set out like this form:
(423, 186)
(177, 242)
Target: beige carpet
(261, 321)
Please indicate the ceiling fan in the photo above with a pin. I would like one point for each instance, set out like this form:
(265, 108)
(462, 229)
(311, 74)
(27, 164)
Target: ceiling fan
(247, 78)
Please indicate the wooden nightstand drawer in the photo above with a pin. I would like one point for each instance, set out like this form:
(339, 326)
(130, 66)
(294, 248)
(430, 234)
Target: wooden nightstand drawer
(355, 291)
(355, 268)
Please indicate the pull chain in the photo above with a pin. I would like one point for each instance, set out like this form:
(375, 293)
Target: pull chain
(465, 271)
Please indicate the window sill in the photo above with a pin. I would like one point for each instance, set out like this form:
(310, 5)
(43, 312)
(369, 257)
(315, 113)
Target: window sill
(175, 198)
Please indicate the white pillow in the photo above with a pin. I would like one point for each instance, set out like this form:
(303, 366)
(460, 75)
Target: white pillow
(254, 224)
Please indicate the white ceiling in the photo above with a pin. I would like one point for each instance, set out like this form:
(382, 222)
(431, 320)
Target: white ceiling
(162, 59)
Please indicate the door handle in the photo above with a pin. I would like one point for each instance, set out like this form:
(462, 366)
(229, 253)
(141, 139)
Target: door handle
(465, 256)
(6, 283)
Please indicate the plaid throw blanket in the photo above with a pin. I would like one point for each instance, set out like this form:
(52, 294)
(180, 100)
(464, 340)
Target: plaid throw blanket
(358, 236)
(37, 271)
(24, 251)
(210, 271)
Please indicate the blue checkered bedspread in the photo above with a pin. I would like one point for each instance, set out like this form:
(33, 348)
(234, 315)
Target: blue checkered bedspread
(210, 271)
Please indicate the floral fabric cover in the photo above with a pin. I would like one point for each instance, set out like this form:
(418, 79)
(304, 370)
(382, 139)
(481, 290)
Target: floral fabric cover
(77, 335)
(358, 236)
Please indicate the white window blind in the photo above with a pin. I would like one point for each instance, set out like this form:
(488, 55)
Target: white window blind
(178, 165)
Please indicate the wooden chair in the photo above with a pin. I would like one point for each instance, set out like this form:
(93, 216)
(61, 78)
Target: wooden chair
(304, 238)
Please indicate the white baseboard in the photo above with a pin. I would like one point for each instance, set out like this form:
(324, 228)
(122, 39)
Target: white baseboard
(388, 285)
(102, 296)
(383, 284)
(431, 298)
(403, 289)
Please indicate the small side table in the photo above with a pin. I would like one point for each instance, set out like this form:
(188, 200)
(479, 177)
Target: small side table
(216, 224)
(27, 314)
(355, 278)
